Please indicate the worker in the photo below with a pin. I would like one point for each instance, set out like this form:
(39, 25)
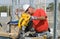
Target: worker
(17, 15)
(40, 25)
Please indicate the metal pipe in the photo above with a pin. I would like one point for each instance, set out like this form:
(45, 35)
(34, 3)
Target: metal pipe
(31, 2)
(55, 20)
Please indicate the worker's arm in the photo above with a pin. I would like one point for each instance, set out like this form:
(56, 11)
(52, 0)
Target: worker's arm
(16, 13)
(41, 15)
(38, 18)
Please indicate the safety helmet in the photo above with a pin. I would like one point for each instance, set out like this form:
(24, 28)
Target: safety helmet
(25, 7)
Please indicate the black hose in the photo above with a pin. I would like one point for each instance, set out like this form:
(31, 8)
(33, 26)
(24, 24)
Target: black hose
(0, 24)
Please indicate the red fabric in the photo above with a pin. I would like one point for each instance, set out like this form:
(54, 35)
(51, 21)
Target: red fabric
(40, 25)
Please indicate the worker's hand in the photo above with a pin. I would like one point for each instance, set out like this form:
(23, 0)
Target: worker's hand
(16, 12)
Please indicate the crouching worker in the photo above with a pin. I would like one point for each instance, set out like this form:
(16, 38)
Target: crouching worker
(40, 22)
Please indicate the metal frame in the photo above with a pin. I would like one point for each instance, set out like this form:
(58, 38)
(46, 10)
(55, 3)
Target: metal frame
(55, 36)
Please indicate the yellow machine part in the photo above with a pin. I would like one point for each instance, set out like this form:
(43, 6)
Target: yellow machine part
(24, 20)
